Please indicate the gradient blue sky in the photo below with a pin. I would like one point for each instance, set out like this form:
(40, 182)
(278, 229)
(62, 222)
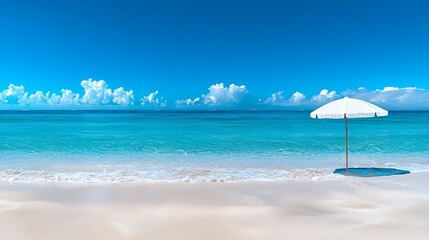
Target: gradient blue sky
(182, 47)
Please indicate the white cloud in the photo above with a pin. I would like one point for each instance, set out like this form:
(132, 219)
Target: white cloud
(187, 102)
(275, 98)
(37, 98)
(153, 100)
(391, 89)
(96, 92)
(69, 98)
(388, 89)
(393, 97)
(13, 94)
(220, 95)
(297, 98)
(325, 96)
(389, 97)
(54, 99)
(279, 99)
(122, 97)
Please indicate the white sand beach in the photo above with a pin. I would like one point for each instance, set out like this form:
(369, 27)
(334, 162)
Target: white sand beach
(342, 208)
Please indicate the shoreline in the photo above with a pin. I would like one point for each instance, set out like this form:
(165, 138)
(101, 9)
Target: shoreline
(393, 207)
(187, 176)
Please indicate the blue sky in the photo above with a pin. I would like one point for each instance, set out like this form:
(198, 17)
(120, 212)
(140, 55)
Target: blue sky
(183, 48)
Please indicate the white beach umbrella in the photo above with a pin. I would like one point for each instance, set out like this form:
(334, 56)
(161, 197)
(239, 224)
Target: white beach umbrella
(348, 108)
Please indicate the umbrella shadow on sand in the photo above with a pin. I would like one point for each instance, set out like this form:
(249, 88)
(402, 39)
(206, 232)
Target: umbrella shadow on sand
(370, 172)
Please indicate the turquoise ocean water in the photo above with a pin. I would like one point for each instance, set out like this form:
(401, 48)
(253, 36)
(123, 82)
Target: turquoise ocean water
(196, 146)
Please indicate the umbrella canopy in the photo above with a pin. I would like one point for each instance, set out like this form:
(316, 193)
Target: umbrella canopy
(348, 108)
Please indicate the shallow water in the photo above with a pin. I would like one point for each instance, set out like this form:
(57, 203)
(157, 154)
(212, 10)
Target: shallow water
(105, 146)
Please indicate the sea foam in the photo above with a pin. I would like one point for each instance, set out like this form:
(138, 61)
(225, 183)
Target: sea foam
(179, 175)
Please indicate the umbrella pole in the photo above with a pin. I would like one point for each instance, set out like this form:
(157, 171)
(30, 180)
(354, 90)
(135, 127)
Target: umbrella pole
(347, 144)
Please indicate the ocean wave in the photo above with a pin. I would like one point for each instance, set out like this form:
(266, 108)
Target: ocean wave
(177, 175)
(192, 168)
